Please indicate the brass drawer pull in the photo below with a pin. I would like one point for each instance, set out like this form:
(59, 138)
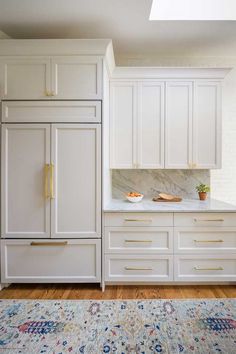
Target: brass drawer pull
(208, 220)
(55, 243)
(138, 241)
(52, 181)
(138, 268)
(218, 268)
(139, 220)
(209, 241)
(46, 169)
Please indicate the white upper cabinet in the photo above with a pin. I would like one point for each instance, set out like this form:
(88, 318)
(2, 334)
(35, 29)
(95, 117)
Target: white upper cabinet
(178, 128)
(59, 77)
(150, 137)
(207, 125)
(24, 77)
(77, 77)
(25, 154)
(76, 202)
(123, 121)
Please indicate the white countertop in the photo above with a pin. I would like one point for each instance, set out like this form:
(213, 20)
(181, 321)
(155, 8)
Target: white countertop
(211, 205)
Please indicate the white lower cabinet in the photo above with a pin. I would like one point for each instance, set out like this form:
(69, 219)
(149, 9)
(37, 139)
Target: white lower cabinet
(142, 268)
(42, 261)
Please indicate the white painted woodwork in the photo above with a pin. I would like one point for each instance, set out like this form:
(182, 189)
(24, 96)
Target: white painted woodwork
(140, 268)
(24, 77)
(207, 125)
(136, 240)
(205, 267)
(77, 77)
(138, 219)
(205, 240)
(76, 155)
(150, 126)
(205, 219)
(68, 261)
(51, 111)
(123, 103)
(178, 127)
(25, 211)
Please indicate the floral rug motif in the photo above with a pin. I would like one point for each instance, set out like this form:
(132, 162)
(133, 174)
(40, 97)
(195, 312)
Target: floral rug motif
(120, 327)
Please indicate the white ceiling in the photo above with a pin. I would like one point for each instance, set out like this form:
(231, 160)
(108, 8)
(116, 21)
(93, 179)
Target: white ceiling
(125, 21)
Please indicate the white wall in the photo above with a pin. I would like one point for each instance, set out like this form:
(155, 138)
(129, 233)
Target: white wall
(223, 182)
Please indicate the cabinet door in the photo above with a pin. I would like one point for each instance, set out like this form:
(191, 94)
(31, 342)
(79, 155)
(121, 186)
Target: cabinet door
(77, 77)
(76, 155)
(207, 125)
(123, 117)
(151, 125)
(25, 78)
(178, 135)
(25, 208)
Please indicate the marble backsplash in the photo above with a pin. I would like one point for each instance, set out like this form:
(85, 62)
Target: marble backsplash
(152, 182)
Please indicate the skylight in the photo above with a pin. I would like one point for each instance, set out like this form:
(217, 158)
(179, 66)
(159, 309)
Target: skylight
(193, 10)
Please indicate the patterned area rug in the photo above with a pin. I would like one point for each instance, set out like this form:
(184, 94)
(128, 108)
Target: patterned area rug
(139, 327)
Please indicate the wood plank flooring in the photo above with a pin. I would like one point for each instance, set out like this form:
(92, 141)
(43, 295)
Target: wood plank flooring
(91, 291)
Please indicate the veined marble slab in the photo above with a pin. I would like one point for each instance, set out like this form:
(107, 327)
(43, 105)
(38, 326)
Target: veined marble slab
(152, 182)
(187, 205)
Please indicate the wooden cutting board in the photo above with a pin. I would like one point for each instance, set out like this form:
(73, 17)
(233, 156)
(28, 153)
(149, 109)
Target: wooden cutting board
(173, 200)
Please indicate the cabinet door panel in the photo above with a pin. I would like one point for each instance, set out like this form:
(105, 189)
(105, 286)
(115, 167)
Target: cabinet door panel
(25, 78)
(123, 127)
(207, 125)
(151, 125)
(77, 77)
(76, 209)
(178, 144)
(25, 151)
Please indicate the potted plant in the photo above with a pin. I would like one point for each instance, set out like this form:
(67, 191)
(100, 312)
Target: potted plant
(202, 190)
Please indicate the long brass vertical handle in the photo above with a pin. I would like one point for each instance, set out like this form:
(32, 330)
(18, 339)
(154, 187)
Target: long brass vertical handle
(51, 181)
(46, 169)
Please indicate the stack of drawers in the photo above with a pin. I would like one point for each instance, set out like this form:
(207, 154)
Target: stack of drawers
(167, 247)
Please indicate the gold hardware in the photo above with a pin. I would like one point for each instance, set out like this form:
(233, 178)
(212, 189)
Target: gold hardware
(218, 268)
(46, 168)
(47, 93)
(55, 243)
(137, 268)
(51, 181)
(138, 220)
(144, 241)
(210, 241)
(208, 220)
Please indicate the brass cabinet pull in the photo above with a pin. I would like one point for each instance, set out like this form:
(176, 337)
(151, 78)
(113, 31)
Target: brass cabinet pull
(209, 241)
(46, 169)
(138, 220)
(138, 268)
(51, 181)
(54, 243)
(137, 241)
(208, 220)
(218, 268)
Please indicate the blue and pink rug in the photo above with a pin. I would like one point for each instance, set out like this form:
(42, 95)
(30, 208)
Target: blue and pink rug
(137, 327)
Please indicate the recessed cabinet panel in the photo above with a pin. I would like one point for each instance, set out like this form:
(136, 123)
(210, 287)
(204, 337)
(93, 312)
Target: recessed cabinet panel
(150, 142)
(25, 207)
(123, 112)
(77, 77)
(207, 125)
(25, 78)
(76, 157)
(178, 134)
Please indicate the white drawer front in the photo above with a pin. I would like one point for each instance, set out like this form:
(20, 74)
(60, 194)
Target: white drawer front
(56, 111)
(205, 268)
(138, 219)
(50, 261)
(205, 240)
(138, 268)
(138, 240)
(205, 219)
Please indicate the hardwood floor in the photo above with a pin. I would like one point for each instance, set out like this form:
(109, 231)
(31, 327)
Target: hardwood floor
(91, 291)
